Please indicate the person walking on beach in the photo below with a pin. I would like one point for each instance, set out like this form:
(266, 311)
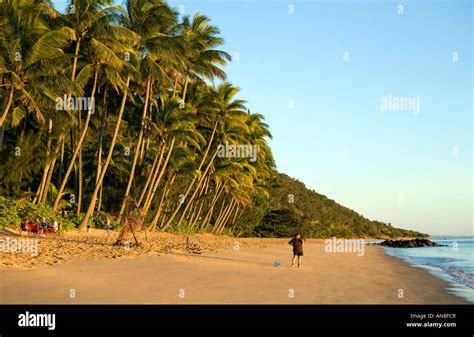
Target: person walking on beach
(297, 243)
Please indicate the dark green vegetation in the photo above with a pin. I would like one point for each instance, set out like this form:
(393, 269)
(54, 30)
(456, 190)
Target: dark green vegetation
(110, 110)
(294, 208)
(150, 140)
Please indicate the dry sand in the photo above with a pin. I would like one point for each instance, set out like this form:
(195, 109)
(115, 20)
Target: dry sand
(79, 268)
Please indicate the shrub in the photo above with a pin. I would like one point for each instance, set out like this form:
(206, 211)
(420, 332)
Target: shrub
(13, 212)
(8, 213)
(99, 220)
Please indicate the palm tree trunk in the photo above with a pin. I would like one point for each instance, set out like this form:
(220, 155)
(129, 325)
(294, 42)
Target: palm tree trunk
(208, 216)
(217, 224)
(160, 206)
(147, 147)
(198, 215)
(226, 217)
(204, 191)
(48, 181)
(79, 144)
(235, 223)
(162, 223)
(156, 173)
(61, 163)
(190, 213)
(190, 217)
(39, 195)
(2, 134)
(151, 175)
(79, 169)
(90, 210)
(201, 179)
(7, 107)
(236, 212)
(142, 150)
(73, 138)
(219, 216)
(165, 164)
(39, 192)
(74, 62)
(175, 84)
(103, 122)
(194, 179)
(194, 204)
(135, 155)
(187, 193)
(51, 169)
(185, 88)
(101, 134)
(99, 202)
(73, 132)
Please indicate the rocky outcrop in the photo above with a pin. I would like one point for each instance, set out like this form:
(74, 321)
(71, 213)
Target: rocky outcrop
(414, 243)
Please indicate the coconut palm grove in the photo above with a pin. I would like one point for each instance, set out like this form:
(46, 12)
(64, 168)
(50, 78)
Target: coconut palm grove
(123, 112)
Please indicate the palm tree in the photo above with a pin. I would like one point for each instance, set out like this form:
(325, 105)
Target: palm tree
(152, 21)
(32, 69)
(27, 46)
(101, 44)
(223, 112)
(202, 60)
(151, 74)
(86, 18)
(98, 184)
(178, 124)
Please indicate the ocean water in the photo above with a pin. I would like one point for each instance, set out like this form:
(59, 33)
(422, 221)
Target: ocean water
(454, 264)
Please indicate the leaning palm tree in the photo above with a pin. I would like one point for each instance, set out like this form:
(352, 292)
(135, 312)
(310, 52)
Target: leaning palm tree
(86, 19)
(220, 112)
(130, 43)
(32, 63)
(100, 45)
(128, 72)
(27, 47)
(173, 125)
(153, 21)
(203, 61)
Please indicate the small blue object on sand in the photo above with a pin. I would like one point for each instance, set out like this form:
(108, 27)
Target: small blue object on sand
(277, 264)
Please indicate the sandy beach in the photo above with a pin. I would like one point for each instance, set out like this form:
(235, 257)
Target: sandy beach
(87, 269)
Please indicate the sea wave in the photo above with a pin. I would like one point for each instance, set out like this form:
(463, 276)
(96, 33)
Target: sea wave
(453, 266)
(461, 277)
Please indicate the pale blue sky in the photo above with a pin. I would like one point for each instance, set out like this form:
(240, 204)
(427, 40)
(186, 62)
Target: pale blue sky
(412, 170)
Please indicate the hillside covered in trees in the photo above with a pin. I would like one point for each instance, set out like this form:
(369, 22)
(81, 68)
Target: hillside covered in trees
(293, 208)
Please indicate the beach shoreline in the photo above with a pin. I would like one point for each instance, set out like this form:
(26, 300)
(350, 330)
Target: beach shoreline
(228, 270)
